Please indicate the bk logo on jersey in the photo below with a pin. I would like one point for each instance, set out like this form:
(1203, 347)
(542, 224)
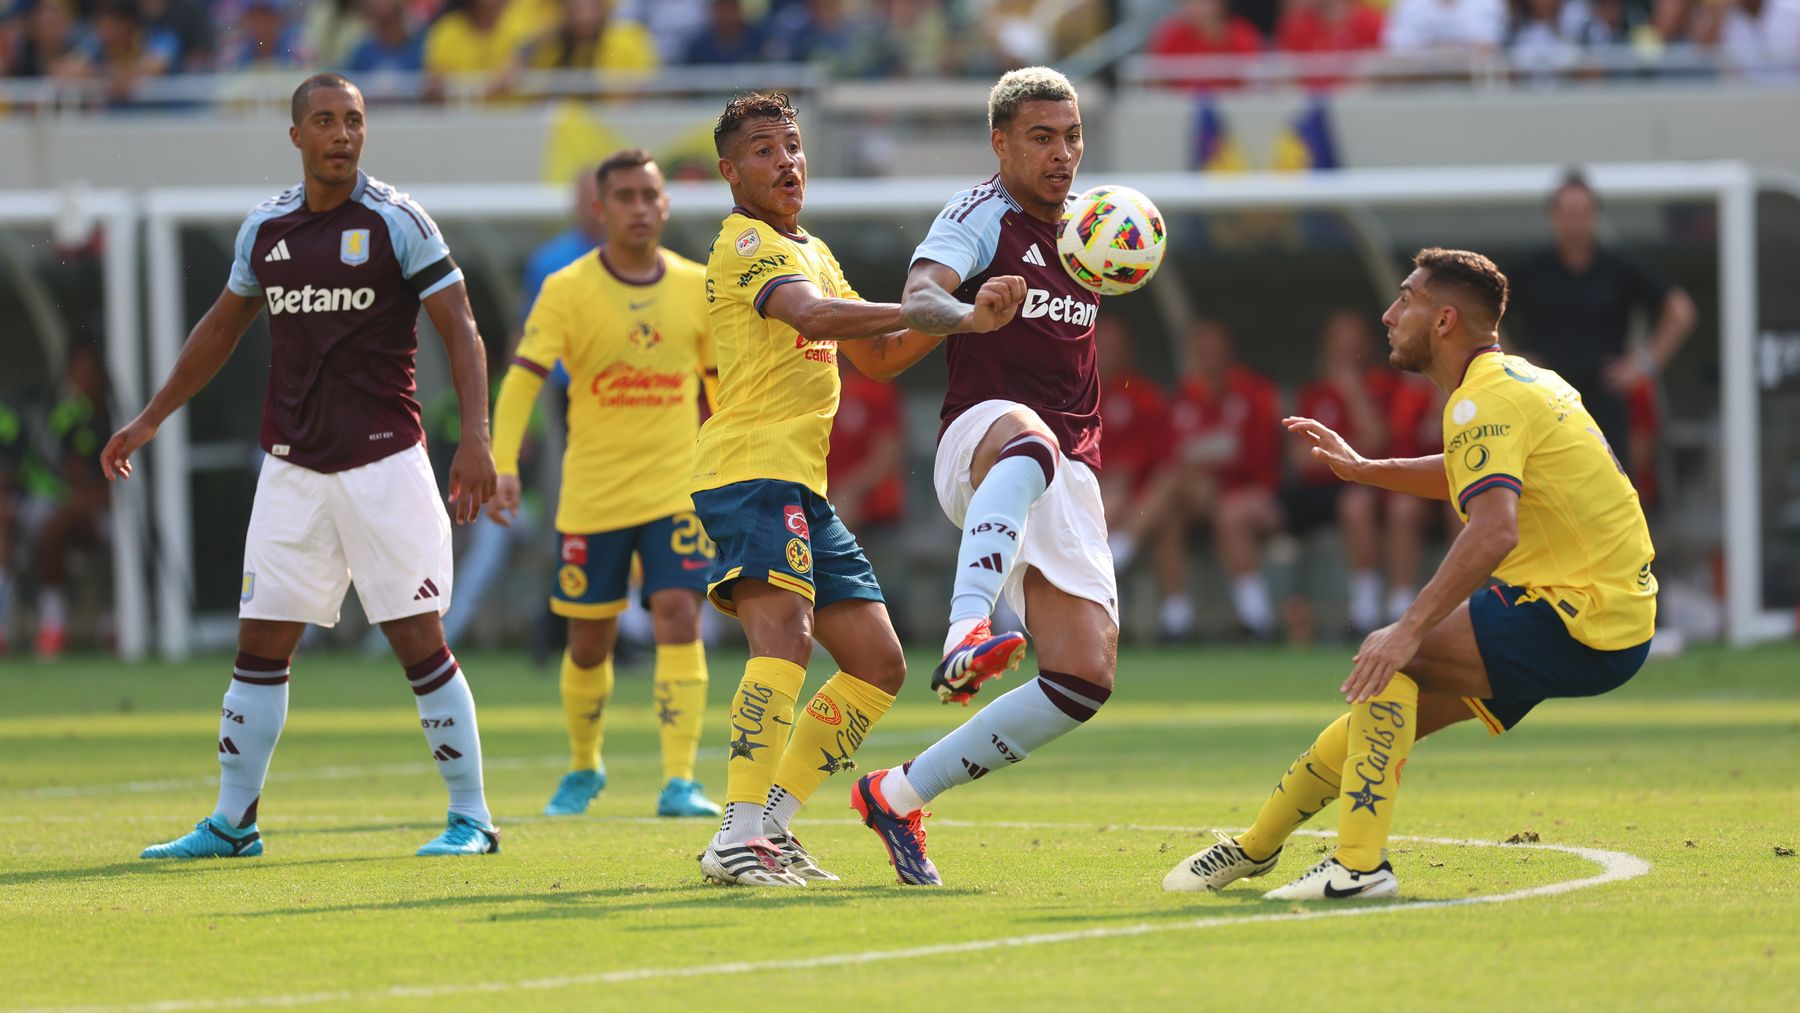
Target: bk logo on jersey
(795, 518)
(353, 247)
(574, 549)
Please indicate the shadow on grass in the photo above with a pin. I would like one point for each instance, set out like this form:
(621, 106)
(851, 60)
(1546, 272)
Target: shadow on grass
(167, 868)
(611, 902)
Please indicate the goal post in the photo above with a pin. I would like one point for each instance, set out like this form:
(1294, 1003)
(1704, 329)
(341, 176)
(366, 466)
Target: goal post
(1732, 187)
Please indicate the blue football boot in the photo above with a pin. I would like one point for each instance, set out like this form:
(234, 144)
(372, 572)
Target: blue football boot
(464, 836)
(681, 797)
(210, 838)
(575, 791)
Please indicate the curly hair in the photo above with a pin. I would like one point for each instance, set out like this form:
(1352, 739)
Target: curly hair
(747, 106)
(1469, 274)
(1027, 84)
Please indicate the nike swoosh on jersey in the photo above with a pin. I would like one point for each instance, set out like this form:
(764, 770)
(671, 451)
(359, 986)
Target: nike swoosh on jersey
(640, 305)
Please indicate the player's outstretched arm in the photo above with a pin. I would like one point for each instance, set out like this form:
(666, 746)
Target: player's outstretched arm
(208, 345)
(800, 305)
(1415, 476)
(928, 306)
(472, 477)
(1492, 532)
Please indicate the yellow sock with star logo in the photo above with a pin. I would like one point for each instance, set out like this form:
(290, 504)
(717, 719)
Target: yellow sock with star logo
(585, 692)
(1381, 736)
(760, 718)
(679, 695)
(826, 733)
(1310, 784)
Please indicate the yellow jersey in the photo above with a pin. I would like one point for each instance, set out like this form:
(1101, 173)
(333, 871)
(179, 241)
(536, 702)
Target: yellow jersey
(778, 390)
(635, 353)
(1583, 544)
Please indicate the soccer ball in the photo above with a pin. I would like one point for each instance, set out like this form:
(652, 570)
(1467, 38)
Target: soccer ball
(1111, 240)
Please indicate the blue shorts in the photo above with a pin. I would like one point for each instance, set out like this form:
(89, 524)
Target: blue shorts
(1531, 657)
(593, 573)
(787, 535)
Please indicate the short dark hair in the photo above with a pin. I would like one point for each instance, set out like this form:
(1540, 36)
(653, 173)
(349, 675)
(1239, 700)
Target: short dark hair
(314, 83)
(1573, 179)
(1468, 274)
(747, 106)
(629, 158)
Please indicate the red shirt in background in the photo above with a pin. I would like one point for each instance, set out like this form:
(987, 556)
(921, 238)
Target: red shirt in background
(1177, 36)
(867, 411)
(1305, 31)
(1415, 416)
(1140, 435)
(1322, 400)
(1244, 412)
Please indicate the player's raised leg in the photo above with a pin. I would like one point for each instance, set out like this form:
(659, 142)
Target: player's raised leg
(1077, 643)
(585, 686)
(1012, 468)
(250, 722)
(679, 687)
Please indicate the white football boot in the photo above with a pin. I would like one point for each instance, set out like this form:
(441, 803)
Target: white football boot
(756, 862)
(1217, 866)
(1330, 880)
(797, 860)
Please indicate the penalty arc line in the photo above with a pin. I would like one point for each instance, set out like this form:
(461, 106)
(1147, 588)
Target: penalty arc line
(1615, 867)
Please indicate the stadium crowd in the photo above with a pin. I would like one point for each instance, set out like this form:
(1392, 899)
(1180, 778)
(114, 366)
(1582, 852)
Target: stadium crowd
(119, 43)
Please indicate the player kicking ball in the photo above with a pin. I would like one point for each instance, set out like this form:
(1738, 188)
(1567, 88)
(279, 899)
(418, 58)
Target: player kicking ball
(346, 492)
(628, 322)
(787, 567)
(1015, 469)
(1549, 515)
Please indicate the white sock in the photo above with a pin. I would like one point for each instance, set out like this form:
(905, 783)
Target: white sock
(743, 821)
(447, 716)
(1365, 599)
(1251, 596)
(1399, 599)
(1124, 549)
(995, 521)
(250, 721)
(1001, 734)
(779, 810)
(53, 609)
(958, 630)
(1176, 616)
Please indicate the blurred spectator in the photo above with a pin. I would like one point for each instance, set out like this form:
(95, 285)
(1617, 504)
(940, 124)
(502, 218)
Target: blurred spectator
(1227, 423)
(1014, 35)
(1758, 37)
(1138, 485)
(467, 40)
(122, 50)
(331, 28)
(1328, 26)
(672, 22)
(190, 21)
(866, 467)
(566, 247)
(923, 38)
(13, 444)
(728, 37)
(266, 38)
(1350, 395)
(389, 44)
(48, 42)
(1415, 26)
(1547, 36)
(1415, 422)
(1205, 28)
(77, 429)
(1572, 306)
(826, 32)
(589, 37)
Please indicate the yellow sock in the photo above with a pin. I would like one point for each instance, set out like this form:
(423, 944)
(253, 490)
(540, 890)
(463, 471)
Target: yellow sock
(761, 715)
(834, 723)
(1381, 735)
(1309, 785)
(585, 692)
(680, 693)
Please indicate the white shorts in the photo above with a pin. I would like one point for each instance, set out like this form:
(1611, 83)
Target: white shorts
(381, 525)
(1065, 533)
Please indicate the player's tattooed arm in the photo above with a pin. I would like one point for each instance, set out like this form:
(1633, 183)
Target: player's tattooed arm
(886, 356)
(208, 346)
(927, 305)
(472, 475)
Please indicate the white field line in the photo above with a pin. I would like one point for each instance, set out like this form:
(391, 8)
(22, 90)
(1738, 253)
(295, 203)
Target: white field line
(1615, 866)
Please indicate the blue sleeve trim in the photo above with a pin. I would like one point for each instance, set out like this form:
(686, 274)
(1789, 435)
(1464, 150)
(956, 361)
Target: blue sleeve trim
(769, 287)
(1481, 485)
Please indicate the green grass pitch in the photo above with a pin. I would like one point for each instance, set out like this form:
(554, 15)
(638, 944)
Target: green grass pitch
(1053, 869)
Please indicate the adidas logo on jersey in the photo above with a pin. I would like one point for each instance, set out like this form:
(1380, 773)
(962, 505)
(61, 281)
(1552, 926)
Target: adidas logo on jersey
(1034, 256)
(280, 252)
(317, 300)
(1065, 308)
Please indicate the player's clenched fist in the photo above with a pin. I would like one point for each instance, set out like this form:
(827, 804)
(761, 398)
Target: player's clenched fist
(996, 303)
(1327, 446)
(115, 457)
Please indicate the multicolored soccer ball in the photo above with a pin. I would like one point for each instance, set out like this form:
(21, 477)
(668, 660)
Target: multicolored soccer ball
(1111, 239)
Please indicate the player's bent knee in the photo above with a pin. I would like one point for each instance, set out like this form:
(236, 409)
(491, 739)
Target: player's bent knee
(591, 641)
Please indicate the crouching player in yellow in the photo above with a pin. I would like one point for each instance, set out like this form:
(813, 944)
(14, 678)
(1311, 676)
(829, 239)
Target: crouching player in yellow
(1549, 515)
(629, 323)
